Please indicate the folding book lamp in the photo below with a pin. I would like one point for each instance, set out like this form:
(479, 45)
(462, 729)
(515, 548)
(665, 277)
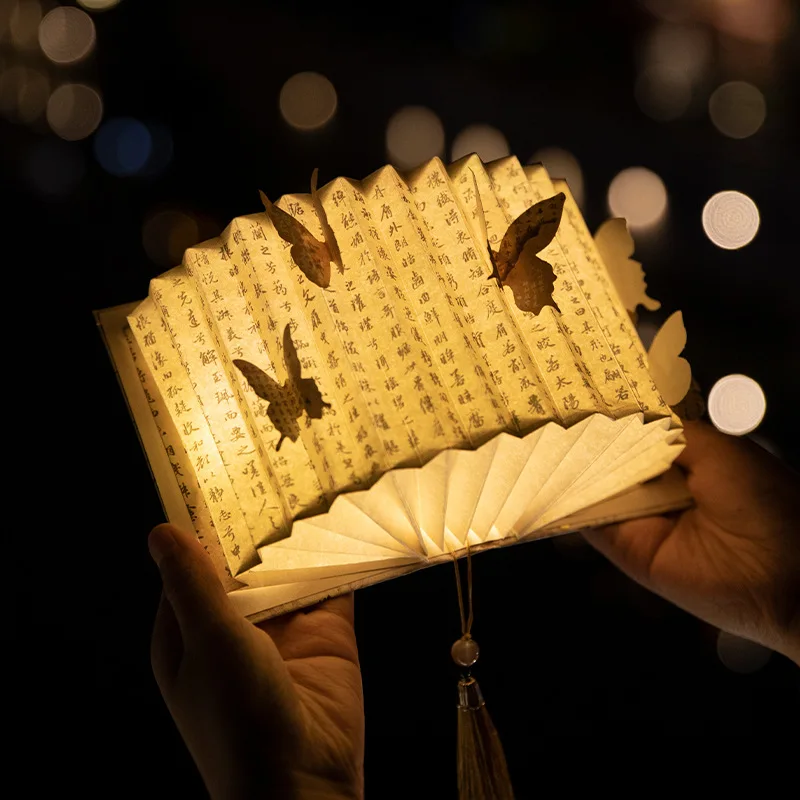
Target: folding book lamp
(388, 374)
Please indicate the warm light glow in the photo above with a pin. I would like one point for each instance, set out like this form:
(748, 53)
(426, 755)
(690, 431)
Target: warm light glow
(123, 146)
(736, 404)
(485, 140)
(55, 168)
(414, 134)
(674, 59)
(67, 35)
(166, 235)
(638, 195)
(679, 48)
(560, 163)
(74, 111)
(11, 82)
(663, 94)
(741, 655)
(307, 100)
(23, 24)
(731, 220)
(23, 93)
(737, 109)
(98, 5)
(765, 22)
(33, 96)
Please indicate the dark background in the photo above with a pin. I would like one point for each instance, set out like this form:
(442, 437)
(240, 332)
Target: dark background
(576, 659)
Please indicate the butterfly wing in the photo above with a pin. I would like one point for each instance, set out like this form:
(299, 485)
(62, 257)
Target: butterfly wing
(311, 256)
(532, 281)
(535, 228)
(615, 245)
(282, 410)
(671, 373)
(261, 383)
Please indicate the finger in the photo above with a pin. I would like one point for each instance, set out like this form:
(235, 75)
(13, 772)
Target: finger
(298, 633)
(166, 646)
(701, 442)
(342, 606)
(190, 582)
(632, 545)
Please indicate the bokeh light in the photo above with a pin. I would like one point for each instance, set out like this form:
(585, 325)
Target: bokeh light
(66, 35)
(23, 23)
(682, 48)
(560, 163)
(731, 219)
(23, 93)
(74, 111)
(664, 94)
(737, 109)
(123, 146)
(764, 22)
(638, 195)
(55, 168)
(11, 82)
(98, 5)
(307, 101)
(33, 95)
(674, 60)
(741, 655)
(414, 134)
(736, 405)
(161, 149)
(485, 140)
(167, 233)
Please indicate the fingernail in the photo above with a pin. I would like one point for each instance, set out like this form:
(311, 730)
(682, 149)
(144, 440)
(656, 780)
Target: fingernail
(160, 542)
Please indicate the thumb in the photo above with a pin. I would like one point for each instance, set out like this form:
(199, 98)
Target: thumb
(191, 585)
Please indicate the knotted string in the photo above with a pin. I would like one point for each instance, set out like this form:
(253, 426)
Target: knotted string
(481, 763)
(466, 621)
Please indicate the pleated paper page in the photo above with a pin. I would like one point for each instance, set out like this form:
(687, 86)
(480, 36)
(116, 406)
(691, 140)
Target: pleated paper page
(371, 378)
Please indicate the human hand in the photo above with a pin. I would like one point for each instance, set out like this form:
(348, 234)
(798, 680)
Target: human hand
(268, 710)
(734, 558)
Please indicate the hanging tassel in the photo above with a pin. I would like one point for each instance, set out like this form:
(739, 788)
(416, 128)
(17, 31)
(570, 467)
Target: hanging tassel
(482, 770)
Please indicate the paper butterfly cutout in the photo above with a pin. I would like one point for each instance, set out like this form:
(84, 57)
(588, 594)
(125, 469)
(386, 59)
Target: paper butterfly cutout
(516, 264)
(311, 256)
(615, 246)
(671, 373)
(287, 402)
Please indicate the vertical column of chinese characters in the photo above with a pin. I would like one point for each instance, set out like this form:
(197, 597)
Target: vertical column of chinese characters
(576, 319)
(175, 386)
(352, 446)
(616, 325)
(457, 371)
(411, 298)
(263, 272)
(480, 307)
(302, 472)
(217, 395)
(553, 351)
(181, 464)
(371, 308)
(299, 470)
(217, 282)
